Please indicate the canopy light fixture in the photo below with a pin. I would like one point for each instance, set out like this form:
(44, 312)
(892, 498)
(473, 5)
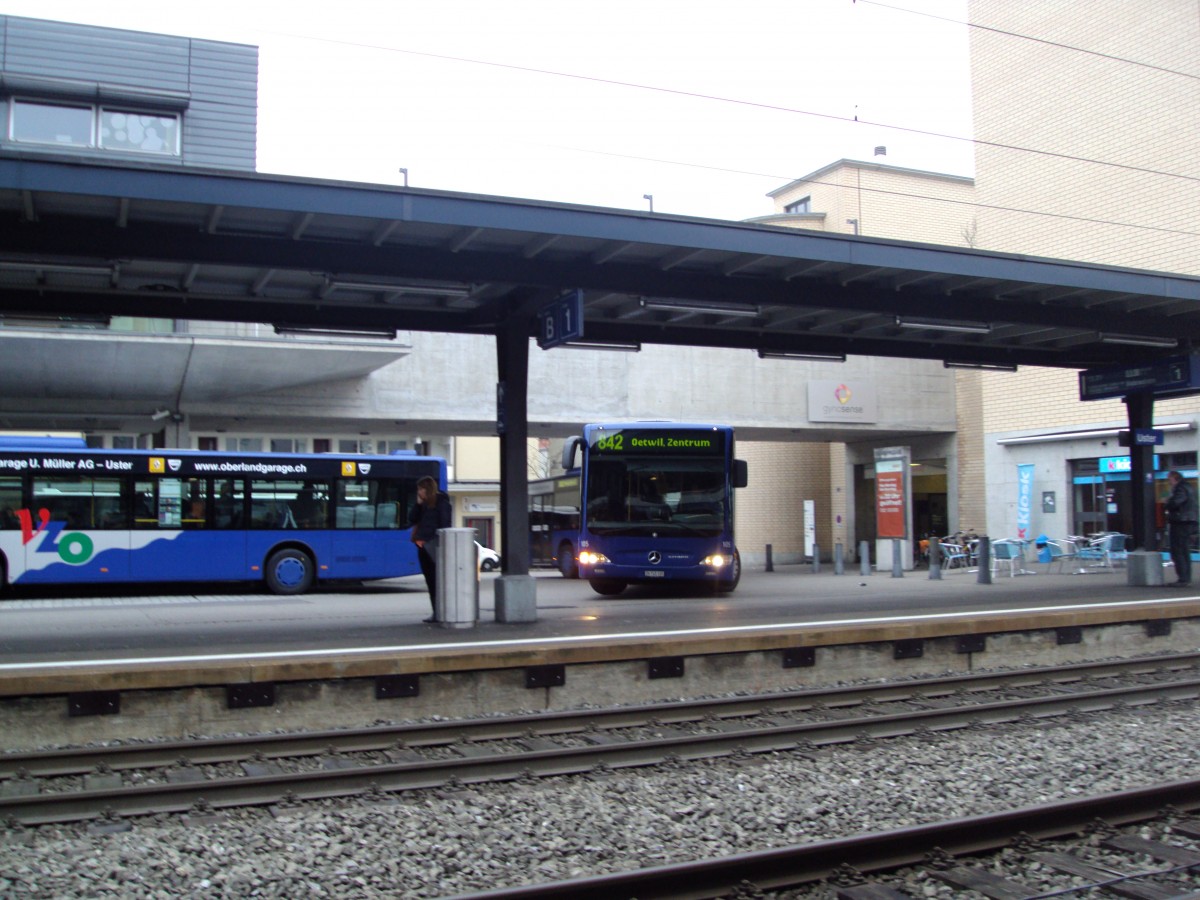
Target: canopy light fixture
(810, 357)
(584, 344)
(388, 334)
(943, 325)
(1137, 340)
(8, 265)
(701, 306)
(421, 290)
(987, 367)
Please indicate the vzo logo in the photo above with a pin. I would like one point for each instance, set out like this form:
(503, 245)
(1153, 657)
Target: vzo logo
(74, 548)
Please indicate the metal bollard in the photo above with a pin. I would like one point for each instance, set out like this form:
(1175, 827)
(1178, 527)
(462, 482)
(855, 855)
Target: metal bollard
(864, 558)
(816, 559)
(770, 560)
(839, 563)
(897, 562)
(935, 561)
(983, 559)
(457, 578)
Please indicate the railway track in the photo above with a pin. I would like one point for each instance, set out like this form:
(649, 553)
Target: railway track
(141, 779)
(1122, 864)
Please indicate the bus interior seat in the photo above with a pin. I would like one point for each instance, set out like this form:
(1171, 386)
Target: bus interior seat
(385, 516)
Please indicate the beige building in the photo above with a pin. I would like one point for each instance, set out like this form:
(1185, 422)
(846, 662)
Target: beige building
(1085, 125)
(1086, 118)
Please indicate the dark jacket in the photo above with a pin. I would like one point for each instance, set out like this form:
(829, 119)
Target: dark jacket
(1181, 505)
(426, 520)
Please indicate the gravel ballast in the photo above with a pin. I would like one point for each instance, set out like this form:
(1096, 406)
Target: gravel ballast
(440, 842)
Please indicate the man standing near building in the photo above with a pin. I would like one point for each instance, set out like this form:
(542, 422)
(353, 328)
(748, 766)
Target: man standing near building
(1181, 516)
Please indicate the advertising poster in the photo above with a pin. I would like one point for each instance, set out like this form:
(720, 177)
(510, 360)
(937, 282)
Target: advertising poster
(891, 504)
(1024, 500)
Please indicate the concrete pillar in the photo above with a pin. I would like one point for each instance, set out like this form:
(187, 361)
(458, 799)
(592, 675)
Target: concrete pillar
(516, 598)
(1145, 568)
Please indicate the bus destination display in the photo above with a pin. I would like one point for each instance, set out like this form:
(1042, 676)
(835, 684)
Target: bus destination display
(651, 441)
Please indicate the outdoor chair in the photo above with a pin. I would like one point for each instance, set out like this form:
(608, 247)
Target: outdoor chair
(1105, 551)
(1007, 553)
(953, 556)
(1062, 554)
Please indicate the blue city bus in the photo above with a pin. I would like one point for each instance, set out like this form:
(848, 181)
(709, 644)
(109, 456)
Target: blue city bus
(554, 523)
(74, 515)
(657, 504)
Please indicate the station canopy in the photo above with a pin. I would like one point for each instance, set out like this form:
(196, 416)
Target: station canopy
(81, 241)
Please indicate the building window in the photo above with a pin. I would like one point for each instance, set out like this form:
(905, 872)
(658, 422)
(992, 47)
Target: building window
(243, 445)
(289, 445)
(803, 205)
(94, 127)
(46, 123)
(138, 132)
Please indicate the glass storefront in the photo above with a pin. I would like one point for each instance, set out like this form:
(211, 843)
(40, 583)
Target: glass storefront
(1102, 496)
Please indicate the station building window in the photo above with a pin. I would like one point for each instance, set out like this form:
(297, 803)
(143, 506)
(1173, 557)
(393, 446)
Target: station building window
(803, 205)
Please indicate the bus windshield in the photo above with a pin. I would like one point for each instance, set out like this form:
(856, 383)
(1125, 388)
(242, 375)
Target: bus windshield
(682, 495)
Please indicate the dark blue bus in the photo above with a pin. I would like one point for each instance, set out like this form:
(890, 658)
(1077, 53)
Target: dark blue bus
(656, 504)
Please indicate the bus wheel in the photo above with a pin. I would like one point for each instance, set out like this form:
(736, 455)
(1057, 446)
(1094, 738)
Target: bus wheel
(566, 561)
(727, 586)
(606, 586)
(289, 571)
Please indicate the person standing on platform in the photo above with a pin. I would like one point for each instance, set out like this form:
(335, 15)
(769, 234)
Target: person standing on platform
(430, 513)
(1181, 516)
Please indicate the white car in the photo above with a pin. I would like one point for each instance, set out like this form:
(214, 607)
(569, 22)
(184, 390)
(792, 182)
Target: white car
(489, 560)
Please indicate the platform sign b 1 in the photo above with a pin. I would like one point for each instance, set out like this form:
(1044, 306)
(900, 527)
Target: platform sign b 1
(561, 321)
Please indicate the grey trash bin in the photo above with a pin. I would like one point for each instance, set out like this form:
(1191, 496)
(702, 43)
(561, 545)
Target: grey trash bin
(457, 578)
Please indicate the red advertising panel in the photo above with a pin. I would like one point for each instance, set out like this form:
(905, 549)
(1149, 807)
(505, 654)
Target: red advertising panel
(891, 507)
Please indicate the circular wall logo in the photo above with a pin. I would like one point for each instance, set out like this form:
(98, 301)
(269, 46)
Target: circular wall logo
(842, 394)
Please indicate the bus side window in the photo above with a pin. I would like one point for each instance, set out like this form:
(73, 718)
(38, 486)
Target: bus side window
(144, 515)
(108, 507)
(229, 504)
(195, 503)
(10, 502)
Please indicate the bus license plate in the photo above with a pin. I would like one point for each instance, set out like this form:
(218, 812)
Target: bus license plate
(655, 573)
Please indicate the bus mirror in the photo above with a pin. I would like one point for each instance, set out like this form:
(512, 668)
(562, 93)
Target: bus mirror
(568, 455)
(740, 473)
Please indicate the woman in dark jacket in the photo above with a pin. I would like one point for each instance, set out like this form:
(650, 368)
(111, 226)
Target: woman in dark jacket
(431, 512)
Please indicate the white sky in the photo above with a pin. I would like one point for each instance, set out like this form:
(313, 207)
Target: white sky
(357, 89)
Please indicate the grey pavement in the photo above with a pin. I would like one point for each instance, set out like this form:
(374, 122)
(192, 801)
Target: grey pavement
(153, 623)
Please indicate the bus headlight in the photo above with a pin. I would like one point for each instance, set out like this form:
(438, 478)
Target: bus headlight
(716, 560)
(588, 558)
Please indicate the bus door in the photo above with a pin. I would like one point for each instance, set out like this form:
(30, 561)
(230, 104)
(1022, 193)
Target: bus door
(371, 537)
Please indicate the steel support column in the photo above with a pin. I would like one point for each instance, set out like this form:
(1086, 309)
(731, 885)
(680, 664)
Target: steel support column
(1140, 408)
(512, 363)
